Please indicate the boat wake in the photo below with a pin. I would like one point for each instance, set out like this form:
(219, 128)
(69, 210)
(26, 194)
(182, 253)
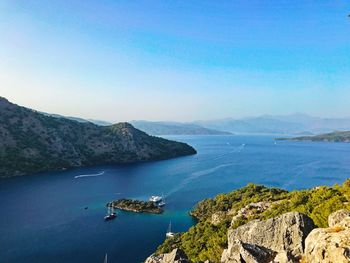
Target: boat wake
(208, 171)
(305, 169)
(89, 175)
(198, 174)
(234, 150)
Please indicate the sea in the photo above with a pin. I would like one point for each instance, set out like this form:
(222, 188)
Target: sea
(58, 216)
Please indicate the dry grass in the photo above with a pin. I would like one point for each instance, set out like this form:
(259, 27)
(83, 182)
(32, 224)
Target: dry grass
(335, 229)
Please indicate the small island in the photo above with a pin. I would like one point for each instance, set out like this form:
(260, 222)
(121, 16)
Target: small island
(343, 136)
(136, 206)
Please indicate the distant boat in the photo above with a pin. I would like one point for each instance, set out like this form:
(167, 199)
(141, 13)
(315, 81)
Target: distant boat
(155, 198)
(105, 260)
(161, 203)
(169, 233)
(110, 214)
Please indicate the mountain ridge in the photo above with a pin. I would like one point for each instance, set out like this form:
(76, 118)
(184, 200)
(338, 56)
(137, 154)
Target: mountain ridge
(174, 128)
(32, 142)
(278, 124)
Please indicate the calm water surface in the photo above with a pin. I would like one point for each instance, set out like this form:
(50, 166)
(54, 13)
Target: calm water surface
(43, 217)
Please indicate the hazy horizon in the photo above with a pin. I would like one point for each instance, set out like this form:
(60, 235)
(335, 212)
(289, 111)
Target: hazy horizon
(176, 61)
(188, 121)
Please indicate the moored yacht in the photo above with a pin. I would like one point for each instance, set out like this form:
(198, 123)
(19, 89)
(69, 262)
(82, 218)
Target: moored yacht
(161, 203)
(110, 214)
(169, 234)
(155, 198)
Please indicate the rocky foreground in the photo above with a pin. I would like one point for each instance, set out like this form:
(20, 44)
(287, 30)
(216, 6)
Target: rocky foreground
(256, 224)
(289, 238)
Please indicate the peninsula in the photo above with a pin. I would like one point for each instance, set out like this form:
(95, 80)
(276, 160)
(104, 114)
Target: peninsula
(338, 136)
(32, 142)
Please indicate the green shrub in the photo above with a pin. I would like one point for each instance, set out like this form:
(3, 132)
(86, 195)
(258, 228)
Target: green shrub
(205, 241)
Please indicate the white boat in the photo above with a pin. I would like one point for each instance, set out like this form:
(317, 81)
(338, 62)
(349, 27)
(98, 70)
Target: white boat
(105, 261)
(169, 234)
(155, 198)
(110, 214)
(161, 203)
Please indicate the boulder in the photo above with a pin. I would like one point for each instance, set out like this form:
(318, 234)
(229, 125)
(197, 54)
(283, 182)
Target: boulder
(332, 244)
(337, 216)
(240, 252)
(281, 236)
(175, 256)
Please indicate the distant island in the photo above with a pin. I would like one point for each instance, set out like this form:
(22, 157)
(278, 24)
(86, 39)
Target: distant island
(136, 206)
(175, 128)
(32, 142)
(340, 136)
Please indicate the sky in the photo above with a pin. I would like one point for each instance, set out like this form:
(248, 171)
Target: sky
(176, 60)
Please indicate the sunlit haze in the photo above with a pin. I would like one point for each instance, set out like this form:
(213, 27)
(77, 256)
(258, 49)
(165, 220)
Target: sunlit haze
(176, 60)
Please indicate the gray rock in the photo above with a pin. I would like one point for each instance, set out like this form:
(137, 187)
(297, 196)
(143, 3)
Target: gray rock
(283, 235)
(240, 252)
(337, 216)
(175, 256)
(332, 244)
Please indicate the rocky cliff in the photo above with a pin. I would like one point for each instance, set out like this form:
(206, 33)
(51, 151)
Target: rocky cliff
(175, 256)
(256, 224)
(279, 239)
(32, 142)
(331, 244)
(290, 238)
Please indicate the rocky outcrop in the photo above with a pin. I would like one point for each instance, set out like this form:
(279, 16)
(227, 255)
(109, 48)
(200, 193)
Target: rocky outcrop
(337, 216)
(249, 210)
(280, 239)
(175, 256)
(244, 252)
(332, 244)
(217, 217)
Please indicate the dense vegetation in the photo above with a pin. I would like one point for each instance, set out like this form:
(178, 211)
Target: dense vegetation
(341, 136)
(136, 206)
(207, 239)
(32, 142)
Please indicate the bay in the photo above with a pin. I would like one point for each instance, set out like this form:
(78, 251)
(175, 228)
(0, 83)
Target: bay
(43, 217)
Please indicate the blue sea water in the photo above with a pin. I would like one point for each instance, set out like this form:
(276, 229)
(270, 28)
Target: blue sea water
(43, 217)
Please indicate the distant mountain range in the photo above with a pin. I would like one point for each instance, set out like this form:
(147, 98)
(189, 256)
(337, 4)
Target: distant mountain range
(154, 128)
(175, 128)
(97, 122)
(294, 124)
(289, 124)
(33, 142)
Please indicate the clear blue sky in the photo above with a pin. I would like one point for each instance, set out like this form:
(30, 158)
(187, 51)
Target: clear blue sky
(176, 60)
